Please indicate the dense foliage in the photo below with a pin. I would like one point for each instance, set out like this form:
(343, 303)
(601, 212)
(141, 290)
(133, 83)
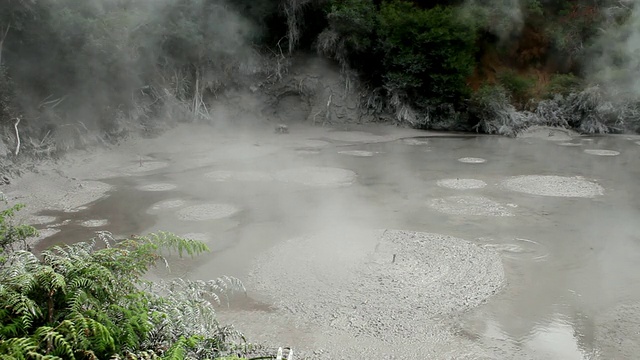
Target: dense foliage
(91, 301)
(68, 67)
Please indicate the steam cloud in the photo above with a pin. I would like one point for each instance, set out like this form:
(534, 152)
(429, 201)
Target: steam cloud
(614, 63)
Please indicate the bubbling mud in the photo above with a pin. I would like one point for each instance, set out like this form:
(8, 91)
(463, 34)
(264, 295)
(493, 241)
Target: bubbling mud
(462, 184)
(600, 152)
(224, 175)
(387, 284)
(551, 185)
(569, 144)
(205, 212)
(144, 167)
(95, 223)
(166, 205)
(469, 205)
(317, 176)
(354, 136)
(45, 233)
(472, 160)
(157, 187)
(40, 220)
(358, 153)
(197, 236)
(518, 249)
(415, 142)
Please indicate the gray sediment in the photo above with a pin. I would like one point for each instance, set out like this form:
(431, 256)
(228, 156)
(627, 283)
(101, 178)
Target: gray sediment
(386, 284)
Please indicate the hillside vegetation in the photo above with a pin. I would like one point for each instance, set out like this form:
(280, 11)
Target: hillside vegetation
(83, 72)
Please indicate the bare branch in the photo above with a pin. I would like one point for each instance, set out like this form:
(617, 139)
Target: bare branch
(17, 136)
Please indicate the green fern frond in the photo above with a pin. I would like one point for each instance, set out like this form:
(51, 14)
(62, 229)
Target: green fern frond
(56, 341)
(18, 347)
(38, 356)
(24, 307)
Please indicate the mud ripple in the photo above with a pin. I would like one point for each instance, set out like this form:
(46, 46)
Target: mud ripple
(569, 144)
(45, 233)
(207, 212)
(40, 220)
(157, 187)
(387, 284)
(166, 205)
(461, 184)
(359, 153)
(600, 152)
(415, 142)
(354, 136)
(317, 176)
(519, 249)
(95, 223)
(469, 205)
(144, 166)
(198, 237)
(472, 160)
(224, 175)
(551, 185)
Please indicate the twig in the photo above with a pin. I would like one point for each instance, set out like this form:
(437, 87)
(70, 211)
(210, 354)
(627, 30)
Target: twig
(17, 136)
(328, 113)
(45, 137)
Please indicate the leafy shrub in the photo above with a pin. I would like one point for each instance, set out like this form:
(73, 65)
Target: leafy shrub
(518, 86)
(350, 32)
(427, 53)
(84, 302)
(491, 106)
(563, 84)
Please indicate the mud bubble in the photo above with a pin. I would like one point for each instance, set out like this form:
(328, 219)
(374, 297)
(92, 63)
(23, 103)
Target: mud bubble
(224, 175)
(205, 212)
(157, 187)
(469, 205)
(472, 160)
(600, 152)
(462, 184)
(317, 176)
(551, 185)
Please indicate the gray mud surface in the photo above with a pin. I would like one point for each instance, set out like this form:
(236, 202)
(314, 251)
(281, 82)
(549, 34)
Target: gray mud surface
(470, 205)
(472, 160)
(563, 267)
(389, 284)
(462, 184)
(317, 176)
(618, 332)
(551, 185)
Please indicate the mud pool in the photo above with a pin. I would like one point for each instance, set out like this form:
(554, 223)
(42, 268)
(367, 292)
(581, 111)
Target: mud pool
(561, 223)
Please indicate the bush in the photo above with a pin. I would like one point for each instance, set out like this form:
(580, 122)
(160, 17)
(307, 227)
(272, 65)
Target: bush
(427, 53)
(350, 32)
(563, 84)
(85, 301)
(519, 87)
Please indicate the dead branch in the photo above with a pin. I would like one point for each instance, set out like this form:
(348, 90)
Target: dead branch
(51, 103)
(328, 113)
(17, 136)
